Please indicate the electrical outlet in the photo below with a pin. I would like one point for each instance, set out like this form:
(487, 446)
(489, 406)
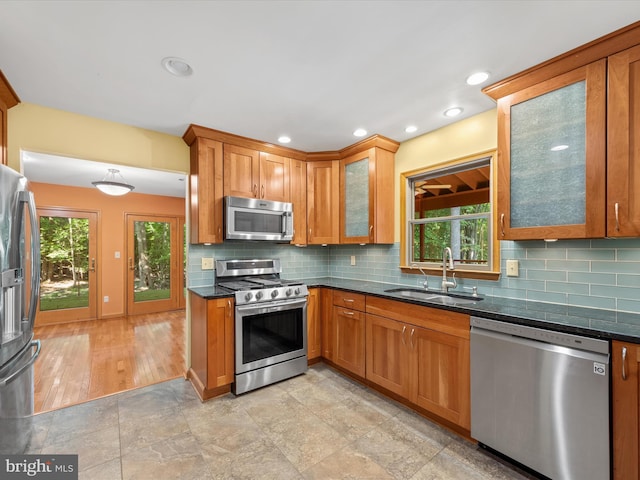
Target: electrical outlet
(353, 259)
(207, 264)
(512, 268)
(116, 255)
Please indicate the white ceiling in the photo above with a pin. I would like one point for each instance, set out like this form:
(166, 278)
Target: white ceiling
(313, 70)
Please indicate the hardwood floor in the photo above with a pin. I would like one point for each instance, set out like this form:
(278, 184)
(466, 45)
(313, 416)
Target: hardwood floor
(82, 361)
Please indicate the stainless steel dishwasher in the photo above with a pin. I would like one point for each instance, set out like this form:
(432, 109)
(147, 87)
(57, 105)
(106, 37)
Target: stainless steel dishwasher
(541, 398)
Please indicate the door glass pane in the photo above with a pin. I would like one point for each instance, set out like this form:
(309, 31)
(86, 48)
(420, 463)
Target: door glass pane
(548, 159)
(64, 272)
(357, 198)
(152, 261)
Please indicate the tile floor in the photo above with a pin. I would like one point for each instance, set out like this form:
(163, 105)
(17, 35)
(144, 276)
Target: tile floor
(320, 425)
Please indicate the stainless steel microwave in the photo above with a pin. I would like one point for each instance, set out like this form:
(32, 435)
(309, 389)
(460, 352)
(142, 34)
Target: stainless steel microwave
(256, 219)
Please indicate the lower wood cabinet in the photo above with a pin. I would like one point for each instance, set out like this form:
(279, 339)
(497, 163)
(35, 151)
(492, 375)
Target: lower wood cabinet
(212, 347)
(314, 325)
(625, 379)
(326, 320)
(421, 354)
(349, 328)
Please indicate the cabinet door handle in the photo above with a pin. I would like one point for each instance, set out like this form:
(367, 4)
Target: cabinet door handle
(309, 233)
(404, 329)
(413, 330)
(255, 190)
(502, 224)
(262, 192)
(624, 363)
(370, 231)
(616, 207)
(219, 232)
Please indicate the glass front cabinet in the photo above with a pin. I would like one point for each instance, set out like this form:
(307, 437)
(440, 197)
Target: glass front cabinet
(552, 157)
(366, 197)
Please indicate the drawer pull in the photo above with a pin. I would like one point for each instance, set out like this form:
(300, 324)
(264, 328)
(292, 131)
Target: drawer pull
(346, 312)
(348, 300)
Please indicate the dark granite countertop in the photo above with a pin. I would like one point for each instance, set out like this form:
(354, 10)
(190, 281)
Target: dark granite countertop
(607, 324)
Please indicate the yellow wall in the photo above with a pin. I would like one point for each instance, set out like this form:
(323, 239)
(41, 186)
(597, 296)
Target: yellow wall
(466, 137)
(46, 130)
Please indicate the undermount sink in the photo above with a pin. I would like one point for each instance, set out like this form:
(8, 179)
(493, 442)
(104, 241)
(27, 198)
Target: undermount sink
(435, 297)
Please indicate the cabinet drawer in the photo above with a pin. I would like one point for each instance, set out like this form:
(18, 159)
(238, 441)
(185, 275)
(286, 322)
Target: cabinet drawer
(350, 300)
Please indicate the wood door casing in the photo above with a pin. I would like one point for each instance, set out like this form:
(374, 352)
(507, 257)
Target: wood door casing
(625, 410)
(176, 266)
(95, 260)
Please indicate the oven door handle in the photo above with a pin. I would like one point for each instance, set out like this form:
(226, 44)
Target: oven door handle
(272, 306)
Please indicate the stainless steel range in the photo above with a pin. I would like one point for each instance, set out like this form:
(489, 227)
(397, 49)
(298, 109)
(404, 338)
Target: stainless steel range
(270, 322)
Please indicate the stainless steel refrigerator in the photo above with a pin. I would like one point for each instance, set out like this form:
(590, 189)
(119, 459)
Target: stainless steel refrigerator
(20, 286)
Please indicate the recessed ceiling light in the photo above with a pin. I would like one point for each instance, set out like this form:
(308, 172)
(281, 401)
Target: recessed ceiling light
(177, 66)
(411, 129)
(360, 132)
(284, 139)
(453, 111)
(477, 78)
(559, 148)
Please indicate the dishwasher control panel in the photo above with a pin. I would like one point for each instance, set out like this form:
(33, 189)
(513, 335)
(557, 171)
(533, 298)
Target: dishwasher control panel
(541, 335)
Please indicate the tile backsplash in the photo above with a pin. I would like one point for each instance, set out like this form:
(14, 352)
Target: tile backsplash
(588, 273)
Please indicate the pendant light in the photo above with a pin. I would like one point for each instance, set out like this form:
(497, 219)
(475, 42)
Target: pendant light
(111, 185)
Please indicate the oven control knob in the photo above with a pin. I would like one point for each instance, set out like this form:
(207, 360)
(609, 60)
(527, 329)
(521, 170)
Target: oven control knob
(274, 293)
(297, 292)
(248, 296)
(258, 295)
(288, 292)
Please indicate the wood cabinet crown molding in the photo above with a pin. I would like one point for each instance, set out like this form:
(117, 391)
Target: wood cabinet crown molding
(8, 96)
(602, 47)
(380, 141)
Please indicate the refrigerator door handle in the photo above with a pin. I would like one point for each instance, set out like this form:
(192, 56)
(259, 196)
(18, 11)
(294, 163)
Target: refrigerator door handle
(16, 374)
(35, 261)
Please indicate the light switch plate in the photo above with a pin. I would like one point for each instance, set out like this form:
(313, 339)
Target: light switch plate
(207, 264)
(512, 268)
(353, 259)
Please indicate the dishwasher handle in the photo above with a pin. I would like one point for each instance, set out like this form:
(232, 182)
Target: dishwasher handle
(539, 345)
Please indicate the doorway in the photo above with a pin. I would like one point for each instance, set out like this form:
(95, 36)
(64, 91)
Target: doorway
(68, 287)
(155, 263)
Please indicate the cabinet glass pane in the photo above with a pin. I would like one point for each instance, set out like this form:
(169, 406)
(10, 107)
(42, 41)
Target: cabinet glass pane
(357, 198)
(548, 161)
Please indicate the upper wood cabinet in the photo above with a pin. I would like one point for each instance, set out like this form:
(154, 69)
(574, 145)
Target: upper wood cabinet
(623, 146)
(298, 187)
(551, 157)
(366, 191)
(323, 207)
(625, 400)
(8, 99)
(253, 174)
(205, 191)
(567, 143)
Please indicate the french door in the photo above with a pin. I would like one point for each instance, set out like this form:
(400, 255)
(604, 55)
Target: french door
(155, 263)
(68, 281)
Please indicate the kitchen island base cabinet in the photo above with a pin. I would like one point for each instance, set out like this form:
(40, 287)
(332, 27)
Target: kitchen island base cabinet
(625, 378)
(422, 355)
(212, 349)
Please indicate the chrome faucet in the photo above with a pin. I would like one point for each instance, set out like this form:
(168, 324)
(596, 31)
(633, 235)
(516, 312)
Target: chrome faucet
(425, 284)
(446, 284)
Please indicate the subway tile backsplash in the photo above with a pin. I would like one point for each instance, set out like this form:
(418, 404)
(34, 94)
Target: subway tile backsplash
(602, 273)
